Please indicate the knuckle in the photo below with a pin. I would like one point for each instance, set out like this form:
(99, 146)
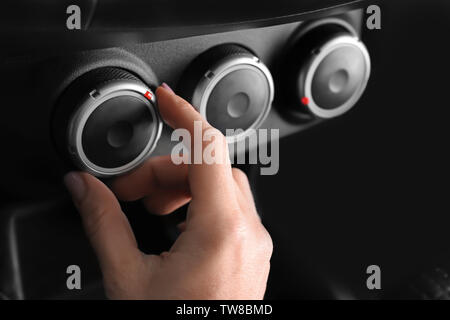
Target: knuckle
(236, 229)
(242, 240)
(229, 231)
(266, 244)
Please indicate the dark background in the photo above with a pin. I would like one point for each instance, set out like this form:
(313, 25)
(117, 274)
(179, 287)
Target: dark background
(370, 187)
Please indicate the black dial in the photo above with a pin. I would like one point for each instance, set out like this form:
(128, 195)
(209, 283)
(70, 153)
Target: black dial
(328, 68)
(231, 88)
(107, 122)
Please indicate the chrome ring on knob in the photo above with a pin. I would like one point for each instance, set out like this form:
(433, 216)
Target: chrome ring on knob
(307, 73)
(218, 72)
(96, 98)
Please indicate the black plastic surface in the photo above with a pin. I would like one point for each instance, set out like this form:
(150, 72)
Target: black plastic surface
(119, 15)
(117, 23)
(35, 169)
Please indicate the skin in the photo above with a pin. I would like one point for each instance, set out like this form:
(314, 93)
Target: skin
(223, 251)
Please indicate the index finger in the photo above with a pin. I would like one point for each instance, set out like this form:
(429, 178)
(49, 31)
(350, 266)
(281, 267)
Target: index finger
(212, 182)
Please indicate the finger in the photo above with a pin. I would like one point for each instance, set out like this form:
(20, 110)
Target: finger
(147, 181)
(105, 224)
(177, 112)
(244, 193)
(242, 182)
(209, 183)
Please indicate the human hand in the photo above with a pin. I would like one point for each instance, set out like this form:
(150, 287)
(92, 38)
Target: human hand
(223, 251)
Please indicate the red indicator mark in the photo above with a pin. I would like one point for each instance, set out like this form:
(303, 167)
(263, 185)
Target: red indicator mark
(148, 95)
(305, 101)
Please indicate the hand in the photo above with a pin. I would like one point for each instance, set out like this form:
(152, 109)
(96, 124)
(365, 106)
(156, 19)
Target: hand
(223, 251)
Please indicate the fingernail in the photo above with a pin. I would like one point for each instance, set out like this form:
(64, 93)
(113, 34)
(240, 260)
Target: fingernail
(166, 86)
(75, 184)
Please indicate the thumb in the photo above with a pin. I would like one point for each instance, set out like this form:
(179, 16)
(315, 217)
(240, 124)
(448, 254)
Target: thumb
(105, 224)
